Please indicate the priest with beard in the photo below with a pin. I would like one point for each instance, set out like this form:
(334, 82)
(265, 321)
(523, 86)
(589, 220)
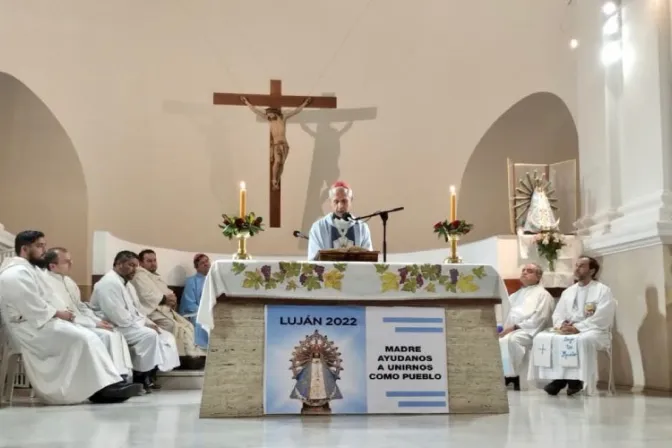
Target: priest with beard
(338, 230)
(65, 363)
(58, 262)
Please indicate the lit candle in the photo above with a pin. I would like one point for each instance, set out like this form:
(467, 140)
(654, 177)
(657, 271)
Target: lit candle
(453, 203)
(243, 199)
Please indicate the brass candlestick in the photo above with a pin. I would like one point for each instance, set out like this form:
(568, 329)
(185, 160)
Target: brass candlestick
(453, 258)
(242, 247)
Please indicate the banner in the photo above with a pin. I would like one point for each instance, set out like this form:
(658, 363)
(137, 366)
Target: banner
(355, 360)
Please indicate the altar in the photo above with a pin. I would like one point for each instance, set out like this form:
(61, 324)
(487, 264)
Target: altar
(351, 338)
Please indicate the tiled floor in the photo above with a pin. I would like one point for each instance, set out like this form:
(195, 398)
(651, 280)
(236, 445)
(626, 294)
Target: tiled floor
(170, 419)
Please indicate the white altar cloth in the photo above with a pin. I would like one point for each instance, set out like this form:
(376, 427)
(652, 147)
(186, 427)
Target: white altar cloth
(346, 281)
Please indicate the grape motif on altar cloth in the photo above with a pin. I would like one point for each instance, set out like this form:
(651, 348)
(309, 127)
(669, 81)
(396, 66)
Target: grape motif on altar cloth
(316, 366)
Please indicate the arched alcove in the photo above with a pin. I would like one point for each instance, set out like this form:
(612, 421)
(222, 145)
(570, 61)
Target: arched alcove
(537, 129)
(42, 183)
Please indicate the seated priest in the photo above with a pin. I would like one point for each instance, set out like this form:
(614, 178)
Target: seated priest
(67, 295)
(65, 363)
(191, 297)
(115, 300)
(338, 229)
(582, 323)
(530, 310)
(158, 302)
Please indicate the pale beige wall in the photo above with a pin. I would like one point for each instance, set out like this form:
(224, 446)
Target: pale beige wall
(41, 181)
(641, 281)
(131, 83)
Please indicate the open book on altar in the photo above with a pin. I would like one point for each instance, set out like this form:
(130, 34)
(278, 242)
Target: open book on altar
(348, 254)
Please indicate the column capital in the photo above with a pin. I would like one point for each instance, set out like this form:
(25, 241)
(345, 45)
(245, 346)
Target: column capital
(644, 222)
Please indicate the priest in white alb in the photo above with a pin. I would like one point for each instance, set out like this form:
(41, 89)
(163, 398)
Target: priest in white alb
(338, 230)
(65, 362)
(115, 300)
(567, 354)
(530, 310)
(67, 295)
(159, 303)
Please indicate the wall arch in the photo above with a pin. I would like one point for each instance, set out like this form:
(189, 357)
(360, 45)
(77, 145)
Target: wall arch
(537, 129)
(42, 184)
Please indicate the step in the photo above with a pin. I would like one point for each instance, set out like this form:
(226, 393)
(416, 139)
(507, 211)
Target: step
(181, 380)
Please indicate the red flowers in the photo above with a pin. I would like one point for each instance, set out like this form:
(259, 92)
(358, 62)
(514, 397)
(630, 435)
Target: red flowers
(234, 226)
(457, 227)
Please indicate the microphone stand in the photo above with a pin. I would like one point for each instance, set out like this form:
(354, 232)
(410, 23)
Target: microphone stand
(384, 216)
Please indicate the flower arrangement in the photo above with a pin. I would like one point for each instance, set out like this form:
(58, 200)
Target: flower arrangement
(236, 226)
(549, 243)
(446, 228)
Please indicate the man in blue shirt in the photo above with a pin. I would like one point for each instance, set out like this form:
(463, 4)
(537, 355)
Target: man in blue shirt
(191, 298)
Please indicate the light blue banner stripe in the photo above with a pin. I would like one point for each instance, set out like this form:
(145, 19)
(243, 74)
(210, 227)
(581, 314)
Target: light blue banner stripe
(413, 320)
(418, 330)
(422, 404)
(415, 393)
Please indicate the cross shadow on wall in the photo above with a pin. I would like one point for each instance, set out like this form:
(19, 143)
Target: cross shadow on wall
(327, 127)
(203, 117)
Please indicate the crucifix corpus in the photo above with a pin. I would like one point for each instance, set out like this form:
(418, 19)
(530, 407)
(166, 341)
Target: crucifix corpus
(277, 119)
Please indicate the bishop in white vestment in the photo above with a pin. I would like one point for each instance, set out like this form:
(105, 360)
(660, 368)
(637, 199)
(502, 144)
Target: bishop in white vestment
(65, 363)
(530, 310)
(567, 354)
(338, 229)
(67, 295)
(114, 299)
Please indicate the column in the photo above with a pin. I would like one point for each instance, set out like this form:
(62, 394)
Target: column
(624, 122)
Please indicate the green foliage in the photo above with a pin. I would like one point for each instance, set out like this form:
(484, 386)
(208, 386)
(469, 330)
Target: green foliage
(234, 226)
(447, 228)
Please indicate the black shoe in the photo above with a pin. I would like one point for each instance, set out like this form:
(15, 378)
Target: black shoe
(116, 393)
(574, 387)
(555, 386)
(515, 380)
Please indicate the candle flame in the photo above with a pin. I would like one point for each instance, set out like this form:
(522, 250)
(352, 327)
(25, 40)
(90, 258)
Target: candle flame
(452, 189)
(242, 185)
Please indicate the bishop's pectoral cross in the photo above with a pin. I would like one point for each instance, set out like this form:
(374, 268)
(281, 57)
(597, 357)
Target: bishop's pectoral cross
(279, 148)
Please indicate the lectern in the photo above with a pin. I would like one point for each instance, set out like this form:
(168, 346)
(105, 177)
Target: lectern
(339, 255)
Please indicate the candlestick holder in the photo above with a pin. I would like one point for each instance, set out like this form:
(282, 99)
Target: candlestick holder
(453, 258)
(242, 247)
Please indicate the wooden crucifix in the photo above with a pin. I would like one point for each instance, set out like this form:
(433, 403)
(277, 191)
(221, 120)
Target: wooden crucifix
(279, 148)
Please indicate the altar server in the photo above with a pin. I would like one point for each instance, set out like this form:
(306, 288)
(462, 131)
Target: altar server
(587, 310)
(338, 229)
(114, 299)
(65, 363)
(530, 310)
(67, 295)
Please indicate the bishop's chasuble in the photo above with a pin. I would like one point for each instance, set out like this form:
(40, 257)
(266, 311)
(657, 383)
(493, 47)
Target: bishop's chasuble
(330, 232)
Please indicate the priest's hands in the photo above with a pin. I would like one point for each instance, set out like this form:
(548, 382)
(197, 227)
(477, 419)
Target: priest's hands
(65, 315)
(105, 325)
(568, 328)
(171, 300)
(154, 327)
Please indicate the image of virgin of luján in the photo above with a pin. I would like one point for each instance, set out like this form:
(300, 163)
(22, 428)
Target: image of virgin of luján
(316, 366)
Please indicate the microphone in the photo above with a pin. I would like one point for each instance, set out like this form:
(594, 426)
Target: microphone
(346, 217)
(298, 234)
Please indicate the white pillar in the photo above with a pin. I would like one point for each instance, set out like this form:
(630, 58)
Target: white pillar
(624, 125)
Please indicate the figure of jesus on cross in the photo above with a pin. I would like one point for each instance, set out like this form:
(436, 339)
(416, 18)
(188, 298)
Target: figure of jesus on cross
(277, 120)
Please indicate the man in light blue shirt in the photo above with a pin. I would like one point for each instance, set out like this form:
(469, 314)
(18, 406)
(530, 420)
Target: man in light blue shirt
(191, 298)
